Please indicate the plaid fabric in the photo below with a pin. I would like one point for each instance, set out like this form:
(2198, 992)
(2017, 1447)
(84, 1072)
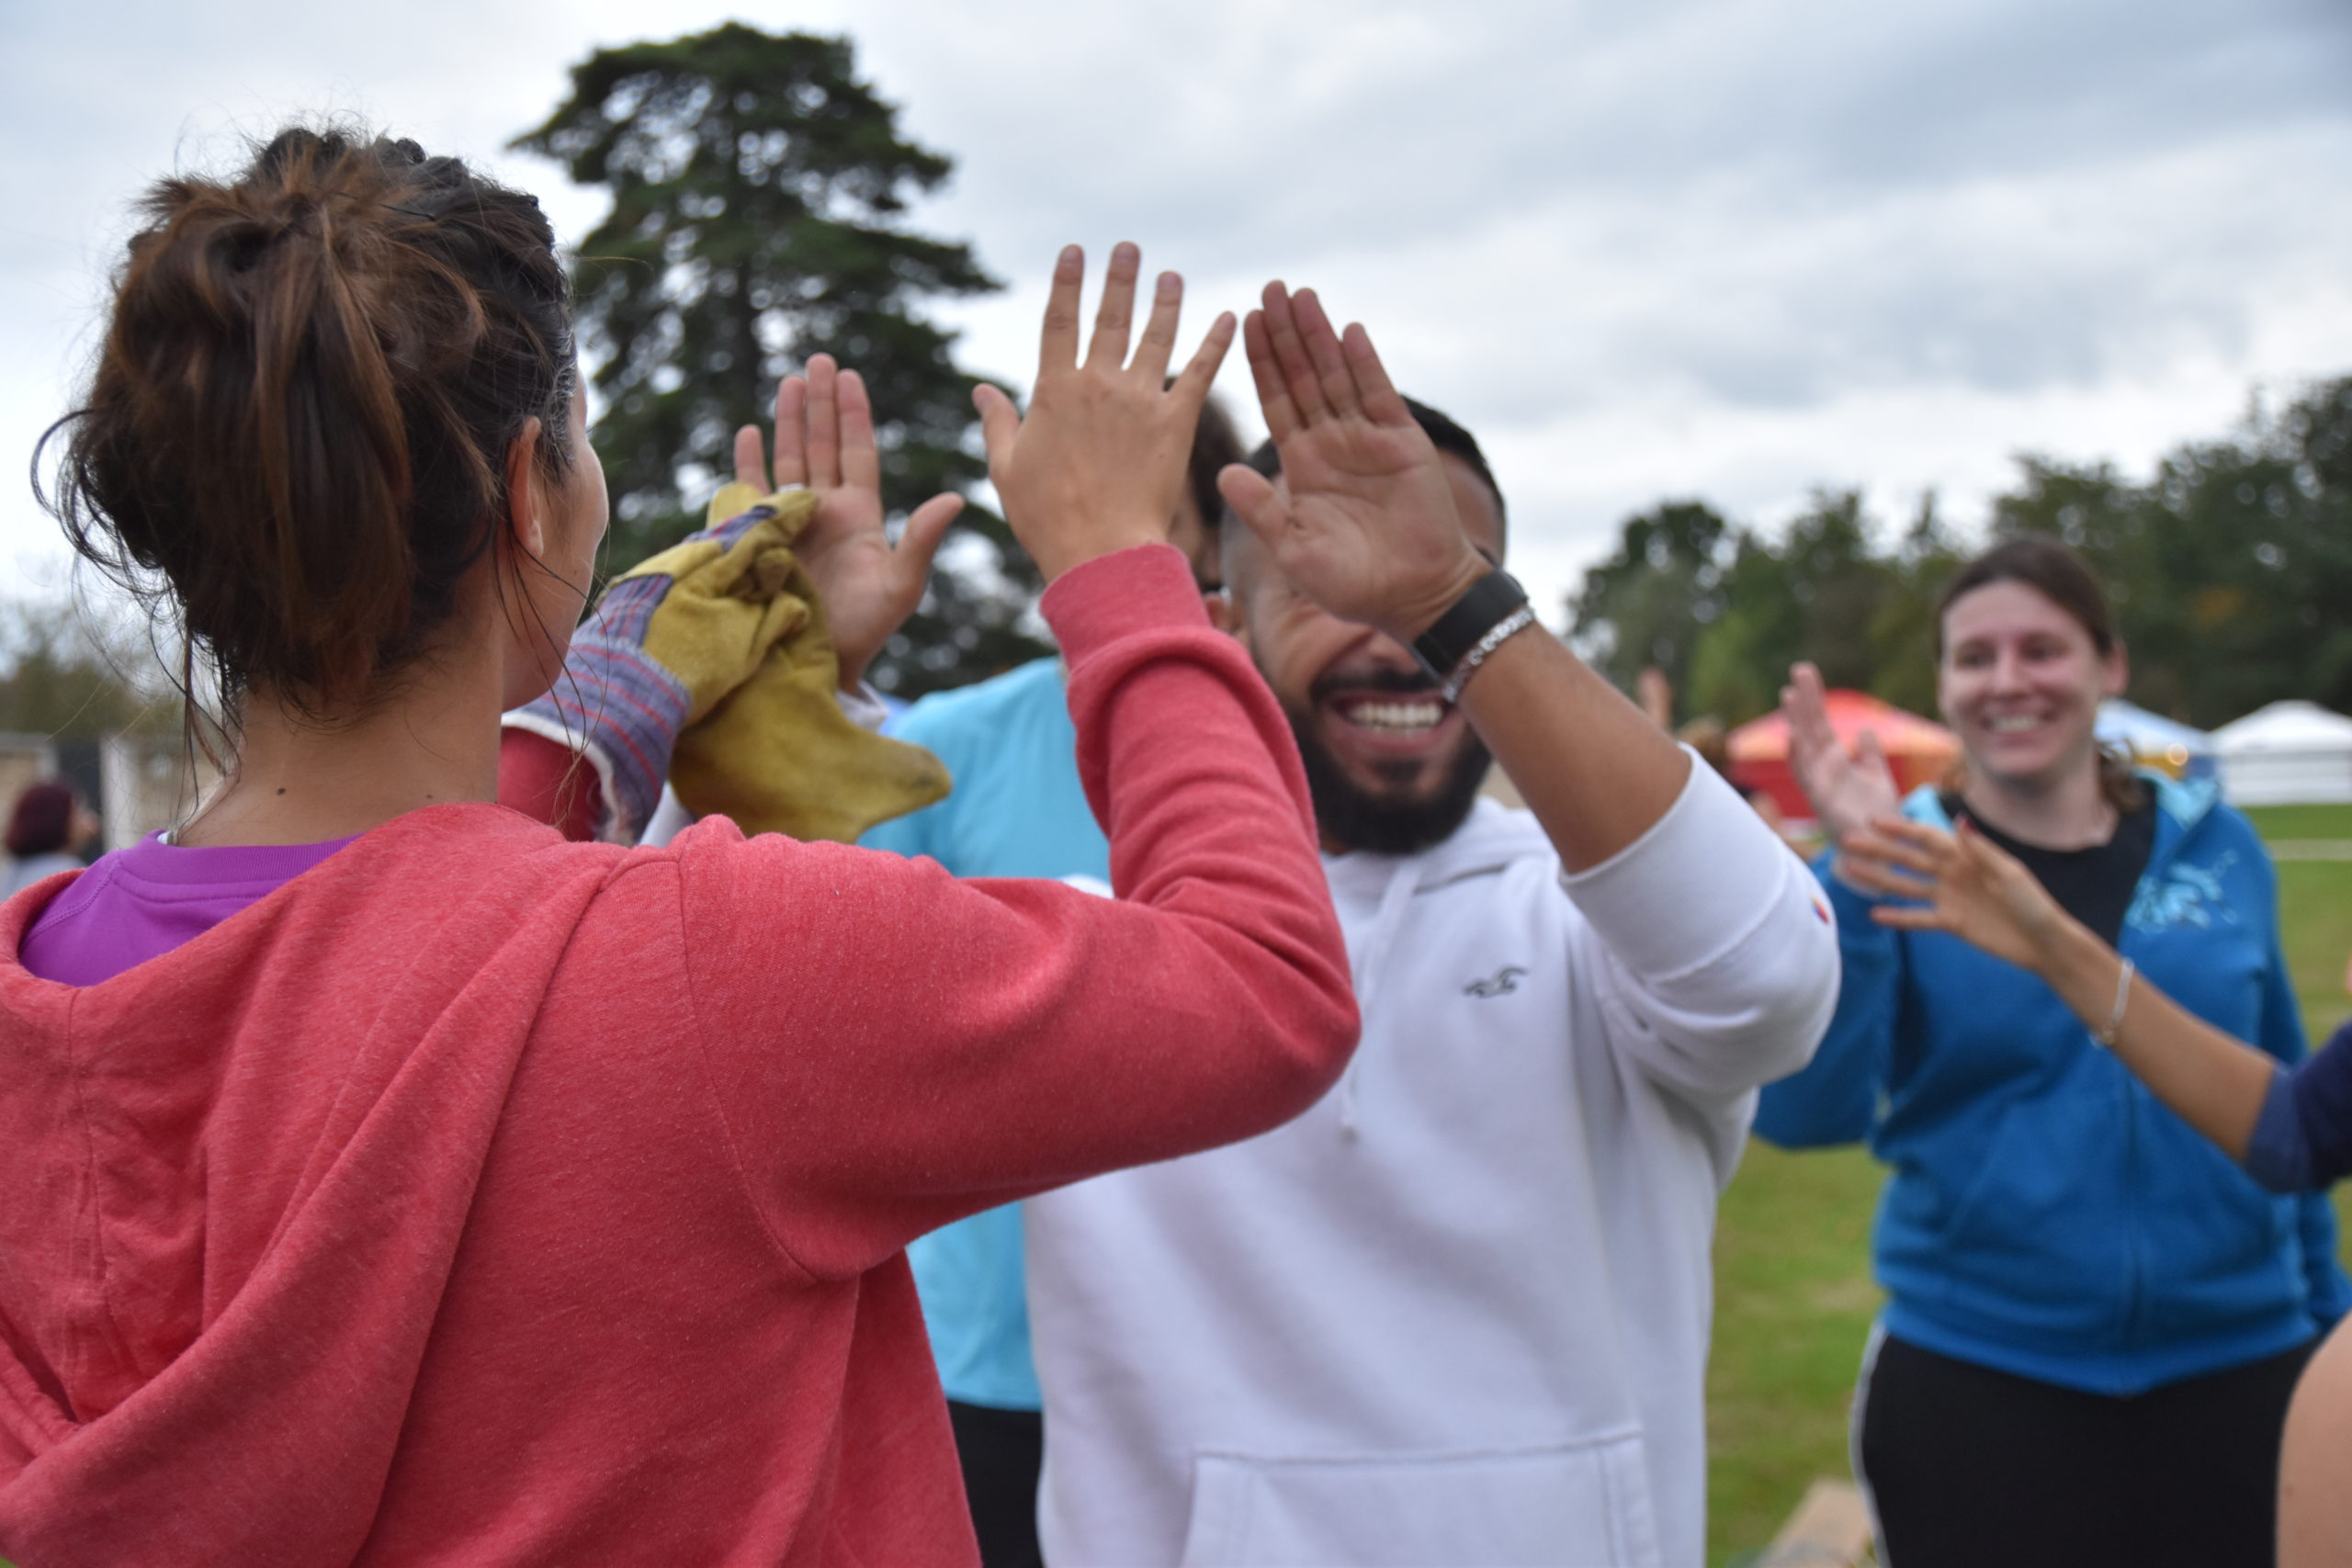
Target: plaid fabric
(616, 704)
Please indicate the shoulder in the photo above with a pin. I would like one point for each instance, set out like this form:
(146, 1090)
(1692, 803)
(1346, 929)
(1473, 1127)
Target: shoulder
(974, 710)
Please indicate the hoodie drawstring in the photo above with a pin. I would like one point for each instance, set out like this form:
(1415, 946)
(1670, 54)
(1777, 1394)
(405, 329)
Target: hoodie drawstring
(1371, 963)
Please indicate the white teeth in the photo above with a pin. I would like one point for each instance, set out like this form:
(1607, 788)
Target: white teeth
(2011, 724)
(1396, 716)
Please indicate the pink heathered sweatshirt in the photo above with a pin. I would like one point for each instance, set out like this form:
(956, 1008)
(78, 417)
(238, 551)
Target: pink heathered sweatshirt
(479, 1197)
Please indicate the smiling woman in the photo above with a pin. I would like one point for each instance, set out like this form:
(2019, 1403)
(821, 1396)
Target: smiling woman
(2095, 1318)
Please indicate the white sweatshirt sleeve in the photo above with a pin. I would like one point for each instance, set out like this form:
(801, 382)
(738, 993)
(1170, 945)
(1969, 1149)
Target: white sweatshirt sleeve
(1721, 969)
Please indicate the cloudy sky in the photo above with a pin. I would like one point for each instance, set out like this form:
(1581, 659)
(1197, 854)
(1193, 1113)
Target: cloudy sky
(1732, 249)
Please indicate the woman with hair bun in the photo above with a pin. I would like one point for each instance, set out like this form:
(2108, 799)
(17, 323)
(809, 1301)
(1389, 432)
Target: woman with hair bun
(2095, 1318)
(393, 1179)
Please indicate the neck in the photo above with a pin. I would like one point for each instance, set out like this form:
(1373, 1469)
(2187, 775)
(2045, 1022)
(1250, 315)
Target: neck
(2070, 812)
(431, 742)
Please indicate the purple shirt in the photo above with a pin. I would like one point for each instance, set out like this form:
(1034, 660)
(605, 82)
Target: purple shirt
(143, 901)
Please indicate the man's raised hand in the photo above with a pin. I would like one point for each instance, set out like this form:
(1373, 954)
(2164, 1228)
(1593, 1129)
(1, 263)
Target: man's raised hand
(1098, 463)
(1363, 522)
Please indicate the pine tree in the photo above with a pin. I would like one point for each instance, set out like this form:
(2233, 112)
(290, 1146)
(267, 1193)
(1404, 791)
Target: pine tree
(759, 189)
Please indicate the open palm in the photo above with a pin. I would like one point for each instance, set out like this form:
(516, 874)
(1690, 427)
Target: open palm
(1364, 523)
(1847, 792)
(824, 440)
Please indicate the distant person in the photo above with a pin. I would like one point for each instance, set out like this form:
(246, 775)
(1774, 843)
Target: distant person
(387, 1177)
(1019, 809)
(1458, 1311)
(49, 830)
(2095, 1317)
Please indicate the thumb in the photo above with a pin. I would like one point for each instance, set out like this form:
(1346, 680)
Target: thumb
(1000, 423)
(925, 528)
(1868, 752)
(1251, 496)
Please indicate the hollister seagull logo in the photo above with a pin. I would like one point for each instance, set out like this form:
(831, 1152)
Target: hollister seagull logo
(1501, 982)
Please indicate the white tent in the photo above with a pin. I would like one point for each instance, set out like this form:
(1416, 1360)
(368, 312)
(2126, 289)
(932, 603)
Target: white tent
(2154, 740)
(2289, 753)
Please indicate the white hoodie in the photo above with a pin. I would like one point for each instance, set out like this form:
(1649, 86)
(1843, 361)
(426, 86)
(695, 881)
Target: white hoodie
(1457, 1313)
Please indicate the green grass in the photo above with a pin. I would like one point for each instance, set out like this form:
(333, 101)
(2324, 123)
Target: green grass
(1793, 1294)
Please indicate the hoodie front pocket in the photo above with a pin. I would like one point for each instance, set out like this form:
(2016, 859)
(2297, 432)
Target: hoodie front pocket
(1580, 1504)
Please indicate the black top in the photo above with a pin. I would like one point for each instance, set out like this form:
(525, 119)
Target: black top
(2095, 886)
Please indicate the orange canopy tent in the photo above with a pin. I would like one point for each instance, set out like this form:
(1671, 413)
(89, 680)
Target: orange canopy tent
(1918, 749)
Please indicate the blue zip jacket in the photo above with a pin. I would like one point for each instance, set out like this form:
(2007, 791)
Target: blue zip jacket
(2047, 1216)
(1018, 810)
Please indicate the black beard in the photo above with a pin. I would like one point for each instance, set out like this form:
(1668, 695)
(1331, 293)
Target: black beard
(1357, 818)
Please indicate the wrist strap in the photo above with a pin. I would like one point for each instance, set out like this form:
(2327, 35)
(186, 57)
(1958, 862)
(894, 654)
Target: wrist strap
(1491, 601)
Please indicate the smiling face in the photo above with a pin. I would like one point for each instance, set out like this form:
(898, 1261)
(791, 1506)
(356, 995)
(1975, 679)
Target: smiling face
(2021, 682)
(1393, 767)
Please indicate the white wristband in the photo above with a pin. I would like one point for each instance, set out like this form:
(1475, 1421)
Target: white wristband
(1518, 621)
(2105, 1034)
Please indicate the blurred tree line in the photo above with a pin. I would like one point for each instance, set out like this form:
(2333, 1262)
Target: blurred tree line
(2229, 571)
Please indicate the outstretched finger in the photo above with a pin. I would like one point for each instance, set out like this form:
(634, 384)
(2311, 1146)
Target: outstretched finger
(1911, 917)
(1159, 344)
(1871, 875)
(925, 528)
(999, 423)
(1117, 314)
(861, 463)
(1058, 350)
(1331, 376)
(1255, 500)
(791, 434)
(1192, 389)
(751, 459)
(1273, 393)
(1880, 849)
(824, 423)
(1381, 402)
(1296, 366)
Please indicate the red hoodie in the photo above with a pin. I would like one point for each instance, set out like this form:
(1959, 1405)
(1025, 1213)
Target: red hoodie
(480, 1197)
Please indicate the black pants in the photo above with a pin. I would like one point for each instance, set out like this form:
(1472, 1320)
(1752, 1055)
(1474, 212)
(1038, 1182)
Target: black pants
(1002, 1452)
(1968, 1468)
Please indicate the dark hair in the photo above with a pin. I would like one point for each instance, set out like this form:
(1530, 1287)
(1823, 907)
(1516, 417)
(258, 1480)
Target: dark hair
(41, 819)
(294, 442)
(2056, 572)
(1215, 445)
(1444, 435)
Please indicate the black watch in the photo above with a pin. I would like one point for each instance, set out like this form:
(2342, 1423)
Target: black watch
(1489, 602)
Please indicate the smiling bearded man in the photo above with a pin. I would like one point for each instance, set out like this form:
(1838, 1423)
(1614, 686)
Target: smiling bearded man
(1458, 1311)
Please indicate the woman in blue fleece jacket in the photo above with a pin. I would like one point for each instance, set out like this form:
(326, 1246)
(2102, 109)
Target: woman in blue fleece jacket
(2095, 1318)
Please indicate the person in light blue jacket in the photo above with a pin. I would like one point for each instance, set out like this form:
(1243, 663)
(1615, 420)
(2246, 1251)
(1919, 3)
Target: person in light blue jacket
(2095, 1318)
(1017, 810)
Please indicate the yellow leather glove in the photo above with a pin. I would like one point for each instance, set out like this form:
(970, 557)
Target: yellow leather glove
(775, 752)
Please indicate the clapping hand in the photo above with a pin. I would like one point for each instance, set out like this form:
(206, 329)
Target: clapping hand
(1363, 522)
(824, 439)
(1097, 464)
(1964, 882)
(1848, 792)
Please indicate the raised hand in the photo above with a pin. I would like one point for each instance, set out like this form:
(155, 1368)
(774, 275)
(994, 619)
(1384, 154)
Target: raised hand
(1363, 522)
(824, 440)
(1097, 464)
(1966, 885)
(1848, 792)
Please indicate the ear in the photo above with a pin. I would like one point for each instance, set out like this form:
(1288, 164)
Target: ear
(526, 516)
(2118, 677)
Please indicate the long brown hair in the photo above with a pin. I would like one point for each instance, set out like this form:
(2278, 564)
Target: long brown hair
(293, 446)
(2063, 577)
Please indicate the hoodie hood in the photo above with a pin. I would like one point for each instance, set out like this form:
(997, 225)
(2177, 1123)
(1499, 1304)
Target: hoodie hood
(226, 1337)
